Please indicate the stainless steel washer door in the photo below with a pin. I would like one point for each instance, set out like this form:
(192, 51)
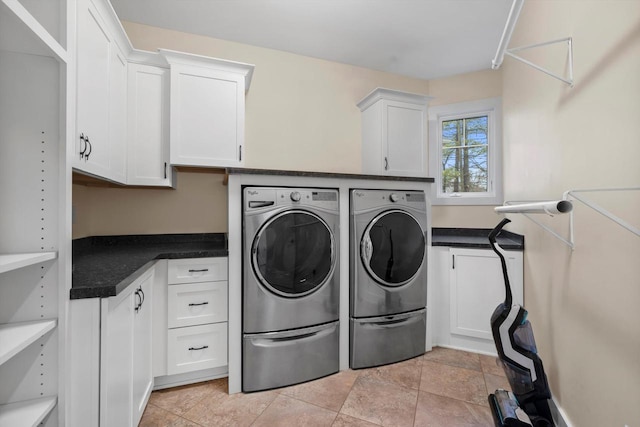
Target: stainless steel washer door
(392, 248)
(290, 268)
(293, 254)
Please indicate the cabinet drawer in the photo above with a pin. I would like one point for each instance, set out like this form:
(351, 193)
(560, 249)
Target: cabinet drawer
(194, 270)
(197, 303)
(196, 347)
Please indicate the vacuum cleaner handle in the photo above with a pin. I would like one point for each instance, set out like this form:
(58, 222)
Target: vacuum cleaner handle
(497, 230)
(498, 250)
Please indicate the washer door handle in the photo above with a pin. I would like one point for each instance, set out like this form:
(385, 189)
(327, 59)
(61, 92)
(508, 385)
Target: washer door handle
(366, 248)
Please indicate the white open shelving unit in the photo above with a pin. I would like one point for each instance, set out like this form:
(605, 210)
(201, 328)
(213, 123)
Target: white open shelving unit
(34, 195)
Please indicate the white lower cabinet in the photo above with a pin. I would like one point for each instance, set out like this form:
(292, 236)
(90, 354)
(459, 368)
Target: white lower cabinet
(468, 285)
(191, 332)
(126, 378)
(196, 348)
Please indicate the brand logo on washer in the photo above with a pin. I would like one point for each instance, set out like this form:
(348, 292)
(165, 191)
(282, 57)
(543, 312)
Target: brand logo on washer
(252, 192)
(358, 193)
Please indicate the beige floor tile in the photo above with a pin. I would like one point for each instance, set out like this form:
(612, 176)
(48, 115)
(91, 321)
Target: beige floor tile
(328, 392)
(381, 402)
(495, 382)
(179, 400)
(490, 365)
(230, 410)
(439, 411)
(157, 417)
(343, 420)
(457, 383)
(406, 374)
(482, 414)
(459, 358)
(285, 411)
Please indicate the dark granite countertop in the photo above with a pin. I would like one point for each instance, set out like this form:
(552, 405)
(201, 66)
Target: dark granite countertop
(105, 265)
(474, 238)
(248, 171)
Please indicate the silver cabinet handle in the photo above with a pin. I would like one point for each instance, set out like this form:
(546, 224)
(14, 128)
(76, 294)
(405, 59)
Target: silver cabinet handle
(386, 164)
(193, 304)
(198, 348)
(199, 271)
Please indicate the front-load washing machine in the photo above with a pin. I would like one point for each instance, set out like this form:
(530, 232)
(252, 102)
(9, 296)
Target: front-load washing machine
(388, 276)
(290, 286)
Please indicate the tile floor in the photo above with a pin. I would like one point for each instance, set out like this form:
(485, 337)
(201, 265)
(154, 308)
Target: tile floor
(442, 388)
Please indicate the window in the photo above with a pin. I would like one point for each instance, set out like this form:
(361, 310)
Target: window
(465, 153)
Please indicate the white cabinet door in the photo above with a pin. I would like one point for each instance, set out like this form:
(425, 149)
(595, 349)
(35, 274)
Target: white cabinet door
(93, 67)
(102, 96)
(142, 375)
(126, 377)
(148, 126)
(207, 117)
(116, 332)
(117, 116)
(477, 287)
(394, 133)
(404, 144)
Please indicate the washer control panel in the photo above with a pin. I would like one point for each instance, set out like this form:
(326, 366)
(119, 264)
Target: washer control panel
(268, 197)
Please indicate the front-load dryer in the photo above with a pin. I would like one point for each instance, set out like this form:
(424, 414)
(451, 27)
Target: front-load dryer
(388, 276)
(290, 285)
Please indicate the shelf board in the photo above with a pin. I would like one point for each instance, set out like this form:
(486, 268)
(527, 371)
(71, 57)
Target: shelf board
(15, 337)
(21, 32)
(26, 413)
(10, 262)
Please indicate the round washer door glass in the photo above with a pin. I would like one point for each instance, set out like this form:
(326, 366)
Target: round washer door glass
(393, 247)
(293, 253)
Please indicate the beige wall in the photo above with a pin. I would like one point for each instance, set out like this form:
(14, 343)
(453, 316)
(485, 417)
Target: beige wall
(197, 205)
(583, 304)
(301, 114)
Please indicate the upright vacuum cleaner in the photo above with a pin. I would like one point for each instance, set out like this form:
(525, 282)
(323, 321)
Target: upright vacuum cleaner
(527, 404)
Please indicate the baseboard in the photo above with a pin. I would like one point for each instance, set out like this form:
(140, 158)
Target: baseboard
(559, 416)
(168, 381)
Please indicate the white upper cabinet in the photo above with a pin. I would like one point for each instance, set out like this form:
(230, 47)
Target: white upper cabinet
(101, 95)
(207, 110)
(148, 126)
(394, 133)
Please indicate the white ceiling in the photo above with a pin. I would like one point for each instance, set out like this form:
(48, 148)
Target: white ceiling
(417, 38)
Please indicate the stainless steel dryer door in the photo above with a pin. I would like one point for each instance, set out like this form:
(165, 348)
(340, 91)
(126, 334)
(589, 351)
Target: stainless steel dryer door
(389, 273)
(392, 248)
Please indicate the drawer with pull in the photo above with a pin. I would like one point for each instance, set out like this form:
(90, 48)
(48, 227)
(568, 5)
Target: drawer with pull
(194, 270)
(196, 347)
(197, 304)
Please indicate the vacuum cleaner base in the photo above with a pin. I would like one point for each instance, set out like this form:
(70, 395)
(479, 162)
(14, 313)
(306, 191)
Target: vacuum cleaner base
(506, 411)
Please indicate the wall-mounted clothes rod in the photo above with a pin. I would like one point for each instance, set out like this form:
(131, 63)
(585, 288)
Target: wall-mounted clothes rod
(539, 207)
(565, 206)
(514, 13)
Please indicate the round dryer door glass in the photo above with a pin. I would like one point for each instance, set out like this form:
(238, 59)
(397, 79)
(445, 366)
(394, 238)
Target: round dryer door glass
(393, 247)
(293, 253)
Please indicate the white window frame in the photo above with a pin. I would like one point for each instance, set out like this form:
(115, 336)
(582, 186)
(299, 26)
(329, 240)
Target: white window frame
(492, 108)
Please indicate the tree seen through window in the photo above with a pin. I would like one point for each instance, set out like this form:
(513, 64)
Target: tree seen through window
(464, 155)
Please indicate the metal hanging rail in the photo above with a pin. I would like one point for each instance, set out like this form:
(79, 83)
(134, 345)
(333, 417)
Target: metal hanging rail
(510, 25)
(539, 207)
(565, 206)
